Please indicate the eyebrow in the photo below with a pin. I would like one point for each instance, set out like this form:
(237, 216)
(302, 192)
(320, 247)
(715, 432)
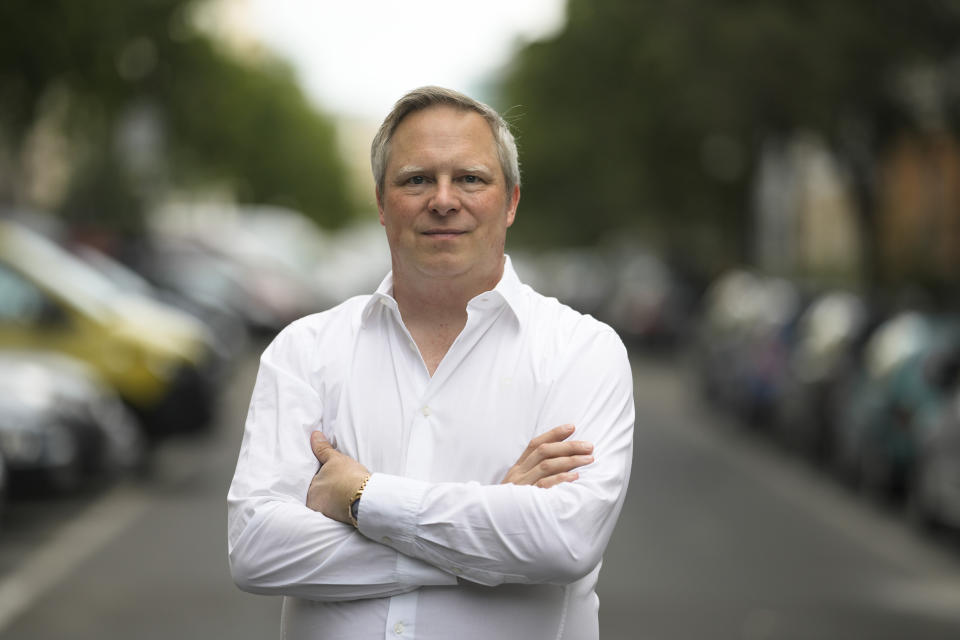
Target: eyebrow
(478, 168)
(409, 169)
(412, 169)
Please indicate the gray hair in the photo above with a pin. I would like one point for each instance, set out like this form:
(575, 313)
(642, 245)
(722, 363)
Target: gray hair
(425, 97)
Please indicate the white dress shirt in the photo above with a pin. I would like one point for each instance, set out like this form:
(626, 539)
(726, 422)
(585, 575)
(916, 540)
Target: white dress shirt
(443, 550)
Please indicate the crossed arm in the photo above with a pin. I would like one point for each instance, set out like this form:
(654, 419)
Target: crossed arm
(548, 460)
(548, 521)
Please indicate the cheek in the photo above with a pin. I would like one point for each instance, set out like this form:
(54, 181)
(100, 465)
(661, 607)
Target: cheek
(491, 207)
(398, 213)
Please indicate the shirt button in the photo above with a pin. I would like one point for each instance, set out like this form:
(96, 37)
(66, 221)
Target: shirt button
(386, 540)
(425, 411)
(398, 628)
(412, 345)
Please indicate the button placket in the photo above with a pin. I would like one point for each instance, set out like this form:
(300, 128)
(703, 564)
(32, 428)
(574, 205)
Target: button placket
(402, 616)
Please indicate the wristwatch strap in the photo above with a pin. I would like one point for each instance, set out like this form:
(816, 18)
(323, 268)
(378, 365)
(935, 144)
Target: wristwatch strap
(355, 502)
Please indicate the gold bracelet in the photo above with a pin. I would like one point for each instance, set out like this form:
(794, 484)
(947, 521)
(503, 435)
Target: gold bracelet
(356, 496)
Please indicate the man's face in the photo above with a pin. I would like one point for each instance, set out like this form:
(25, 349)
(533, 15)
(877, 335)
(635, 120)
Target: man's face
(444, 202)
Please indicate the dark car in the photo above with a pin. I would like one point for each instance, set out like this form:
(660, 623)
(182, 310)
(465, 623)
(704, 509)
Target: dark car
(649, 303)
(744, 342)
(266, 299)
(729, 310)
(934, 483)
(578, 277)
(879, 428)
(828, 344)
(60, 424)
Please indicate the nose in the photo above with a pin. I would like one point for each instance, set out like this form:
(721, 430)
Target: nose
(445, 200)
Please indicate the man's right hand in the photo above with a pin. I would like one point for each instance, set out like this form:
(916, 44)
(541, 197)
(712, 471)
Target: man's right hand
(550, 459)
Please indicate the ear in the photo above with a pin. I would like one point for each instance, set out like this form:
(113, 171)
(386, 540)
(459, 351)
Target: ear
(379, 206)
(512, 205)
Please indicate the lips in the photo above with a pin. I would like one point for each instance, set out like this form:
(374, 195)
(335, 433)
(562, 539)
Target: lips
(443, 232)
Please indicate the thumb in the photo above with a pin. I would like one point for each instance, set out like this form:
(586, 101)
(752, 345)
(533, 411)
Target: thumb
(322, 448)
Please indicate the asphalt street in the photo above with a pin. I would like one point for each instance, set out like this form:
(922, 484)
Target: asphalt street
(723, 536)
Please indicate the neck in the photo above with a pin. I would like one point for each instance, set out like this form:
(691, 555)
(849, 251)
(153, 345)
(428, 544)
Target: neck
(440, 299)
(434, 310)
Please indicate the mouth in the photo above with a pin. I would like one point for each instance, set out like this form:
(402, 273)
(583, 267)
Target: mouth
(443, 233)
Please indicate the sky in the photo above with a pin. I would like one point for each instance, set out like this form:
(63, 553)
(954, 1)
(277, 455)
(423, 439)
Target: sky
(355, 58)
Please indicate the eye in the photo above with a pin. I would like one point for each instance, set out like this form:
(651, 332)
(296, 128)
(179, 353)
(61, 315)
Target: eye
(416, 180)
(472, 179)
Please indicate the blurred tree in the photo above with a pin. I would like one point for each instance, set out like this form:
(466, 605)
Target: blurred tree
(223, 115)
(147, 102)
(651, 115)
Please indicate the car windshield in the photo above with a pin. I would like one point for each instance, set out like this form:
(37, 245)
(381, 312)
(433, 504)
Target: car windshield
(900, 339)
(68, 276)
(119, 275)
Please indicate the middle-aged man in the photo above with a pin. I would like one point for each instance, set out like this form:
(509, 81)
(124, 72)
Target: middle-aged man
(451, 501)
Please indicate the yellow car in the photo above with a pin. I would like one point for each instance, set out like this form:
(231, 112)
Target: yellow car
(158, 358)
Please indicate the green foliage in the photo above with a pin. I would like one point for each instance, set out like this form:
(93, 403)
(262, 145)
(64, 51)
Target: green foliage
(224, 115)
(651, 114)
(234, 122)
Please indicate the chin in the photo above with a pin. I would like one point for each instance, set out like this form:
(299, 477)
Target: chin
(449, 266)
(444, 268)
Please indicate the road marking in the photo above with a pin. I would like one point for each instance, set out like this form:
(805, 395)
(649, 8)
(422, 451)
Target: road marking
(79, 539)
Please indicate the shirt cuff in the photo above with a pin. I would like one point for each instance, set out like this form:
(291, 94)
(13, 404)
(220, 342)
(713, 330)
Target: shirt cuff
(389, 508)
(388, 514)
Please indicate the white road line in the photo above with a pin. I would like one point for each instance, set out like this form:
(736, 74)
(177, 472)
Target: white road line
(79, 539)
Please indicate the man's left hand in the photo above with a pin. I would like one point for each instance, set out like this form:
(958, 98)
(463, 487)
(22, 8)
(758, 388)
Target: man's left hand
(336, 482)
(550, 459)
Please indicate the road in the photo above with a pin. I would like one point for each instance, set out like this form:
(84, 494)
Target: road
(722, 537)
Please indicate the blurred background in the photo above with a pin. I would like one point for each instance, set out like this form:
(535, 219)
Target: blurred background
(761, 197)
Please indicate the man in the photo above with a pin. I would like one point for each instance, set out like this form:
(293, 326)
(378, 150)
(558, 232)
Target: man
(451, 500)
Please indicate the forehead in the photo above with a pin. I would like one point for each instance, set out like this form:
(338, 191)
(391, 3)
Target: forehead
(443, 131)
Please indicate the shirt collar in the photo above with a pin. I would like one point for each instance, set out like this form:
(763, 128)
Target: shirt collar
(509, 290)
(383, 296)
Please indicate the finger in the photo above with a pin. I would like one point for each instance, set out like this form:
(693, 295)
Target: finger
(558, 478)
(551, 450)
(557, 434)
(322, 448)
(554, 466)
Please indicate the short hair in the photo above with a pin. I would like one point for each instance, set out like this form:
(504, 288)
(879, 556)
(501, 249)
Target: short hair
(425, 97)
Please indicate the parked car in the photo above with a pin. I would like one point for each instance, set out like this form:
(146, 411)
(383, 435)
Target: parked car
(265, 299)
(159, 359)
(578, 277)
(934, 484)
(828, 345)
(649, 304)
(729, 308)
(228, 332)
(61, 418)
(763, 360)
(4, 481)
(878, 436)
(744, 341)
